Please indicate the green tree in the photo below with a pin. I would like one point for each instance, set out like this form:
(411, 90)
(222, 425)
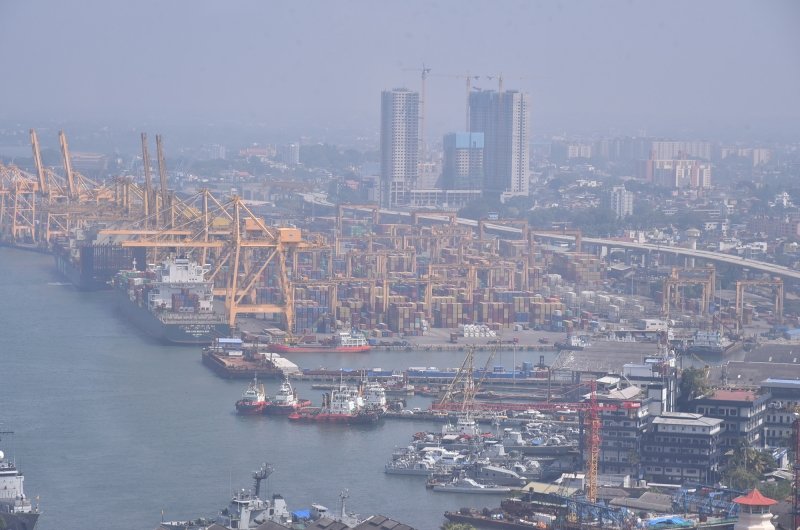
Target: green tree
(693, 384)
(457, 526)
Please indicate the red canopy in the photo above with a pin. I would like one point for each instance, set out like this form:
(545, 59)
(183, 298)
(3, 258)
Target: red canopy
(754, 498)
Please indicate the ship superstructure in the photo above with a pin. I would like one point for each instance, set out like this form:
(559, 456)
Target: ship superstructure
(171, 301)
(16, 510)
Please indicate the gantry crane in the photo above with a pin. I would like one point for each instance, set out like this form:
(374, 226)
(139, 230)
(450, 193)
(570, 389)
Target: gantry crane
(777, 288)
(18, 205)
(705, 277)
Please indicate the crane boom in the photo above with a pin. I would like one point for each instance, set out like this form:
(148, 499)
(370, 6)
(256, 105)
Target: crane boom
(37, 160)
(62, 138)
(148, 185)
(162, 172)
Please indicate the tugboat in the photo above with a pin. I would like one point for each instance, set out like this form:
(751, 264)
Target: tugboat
(286, 401)
(375, 398)
(16, 510)
(343, 404)
(254, 399)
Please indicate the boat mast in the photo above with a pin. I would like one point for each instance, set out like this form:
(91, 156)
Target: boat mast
(262, 474)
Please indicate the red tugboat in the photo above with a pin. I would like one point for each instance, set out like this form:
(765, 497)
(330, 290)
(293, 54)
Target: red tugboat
(286, 401)
(254, 399)
(345, 342)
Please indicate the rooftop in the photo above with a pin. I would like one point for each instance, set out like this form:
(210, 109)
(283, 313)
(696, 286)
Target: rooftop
(755, 498)
(683, 418)
(733, 395)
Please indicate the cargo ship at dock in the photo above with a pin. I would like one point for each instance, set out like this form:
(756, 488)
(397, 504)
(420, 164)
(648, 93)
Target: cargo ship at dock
(710, 343)
(171, 301)
(91, 266)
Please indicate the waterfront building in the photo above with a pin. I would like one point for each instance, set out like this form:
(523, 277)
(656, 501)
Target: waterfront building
(742, 414)
(503, 118)
(659, 379)
(624, 420)
(781, 410)
(399, 145)
(682, 447)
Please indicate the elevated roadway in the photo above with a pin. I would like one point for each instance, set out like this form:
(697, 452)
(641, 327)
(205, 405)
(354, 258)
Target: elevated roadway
(780, 271)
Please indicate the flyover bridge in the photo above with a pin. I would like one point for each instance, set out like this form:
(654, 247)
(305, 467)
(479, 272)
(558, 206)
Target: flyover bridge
(780, 271)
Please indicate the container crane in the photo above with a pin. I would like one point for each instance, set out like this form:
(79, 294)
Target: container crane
(148, 186)
(162, 173)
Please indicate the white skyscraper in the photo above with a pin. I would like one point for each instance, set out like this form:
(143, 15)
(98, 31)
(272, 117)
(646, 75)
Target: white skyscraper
(620, 201)
(504, 119)
(399, 145)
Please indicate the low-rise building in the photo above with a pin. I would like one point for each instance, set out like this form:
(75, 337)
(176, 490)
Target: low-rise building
(682, 447)
(741, 412)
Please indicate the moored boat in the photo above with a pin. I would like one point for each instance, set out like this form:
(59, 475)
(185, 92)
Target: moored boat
(286, 401)
(468, 485)
(573, 342)
(343, 404)
(16, 510)
(254, 399)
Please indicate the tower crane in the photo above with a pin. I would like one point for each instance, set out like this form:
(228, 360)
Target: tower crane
(468, 78)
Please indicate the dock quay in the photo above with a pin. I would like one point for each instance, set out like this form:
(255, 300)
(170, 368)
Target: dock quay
(241, 367)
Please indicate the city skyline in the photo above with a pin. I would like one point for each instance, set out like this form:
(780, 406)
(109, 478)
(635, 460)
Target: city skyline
(620, 66)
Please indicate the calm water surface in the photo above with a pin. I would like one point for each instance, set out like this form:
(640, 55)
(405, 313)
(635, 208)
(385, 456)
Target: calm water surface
(113, 428)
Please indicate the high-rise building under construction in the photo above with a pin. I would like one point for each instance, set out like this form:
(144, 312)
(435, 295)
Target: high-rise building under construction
(503, 118)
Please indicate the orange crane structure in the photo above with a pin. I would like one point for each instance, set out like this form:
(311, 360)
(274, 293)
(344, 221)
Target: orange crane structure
(705, 277)
(776, 284)
(240, 253)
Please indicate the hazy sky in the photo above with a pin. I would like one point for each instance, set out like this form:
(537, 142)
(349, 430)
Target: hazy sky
(668, 67)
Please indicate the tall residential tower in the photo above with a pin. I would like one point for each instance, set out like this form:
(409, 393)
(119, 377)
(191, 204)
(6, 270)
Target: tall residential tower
(399, 145)
(503, 118)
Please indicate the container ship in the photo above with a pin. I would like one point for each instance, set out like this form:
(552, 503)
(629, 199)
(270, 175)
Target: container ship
(172, 302)
(344, 342)
(89, 264)
(16, 510)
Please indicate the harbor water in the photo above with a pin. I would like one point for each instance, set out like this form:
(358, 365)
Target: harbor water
(113, 428)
